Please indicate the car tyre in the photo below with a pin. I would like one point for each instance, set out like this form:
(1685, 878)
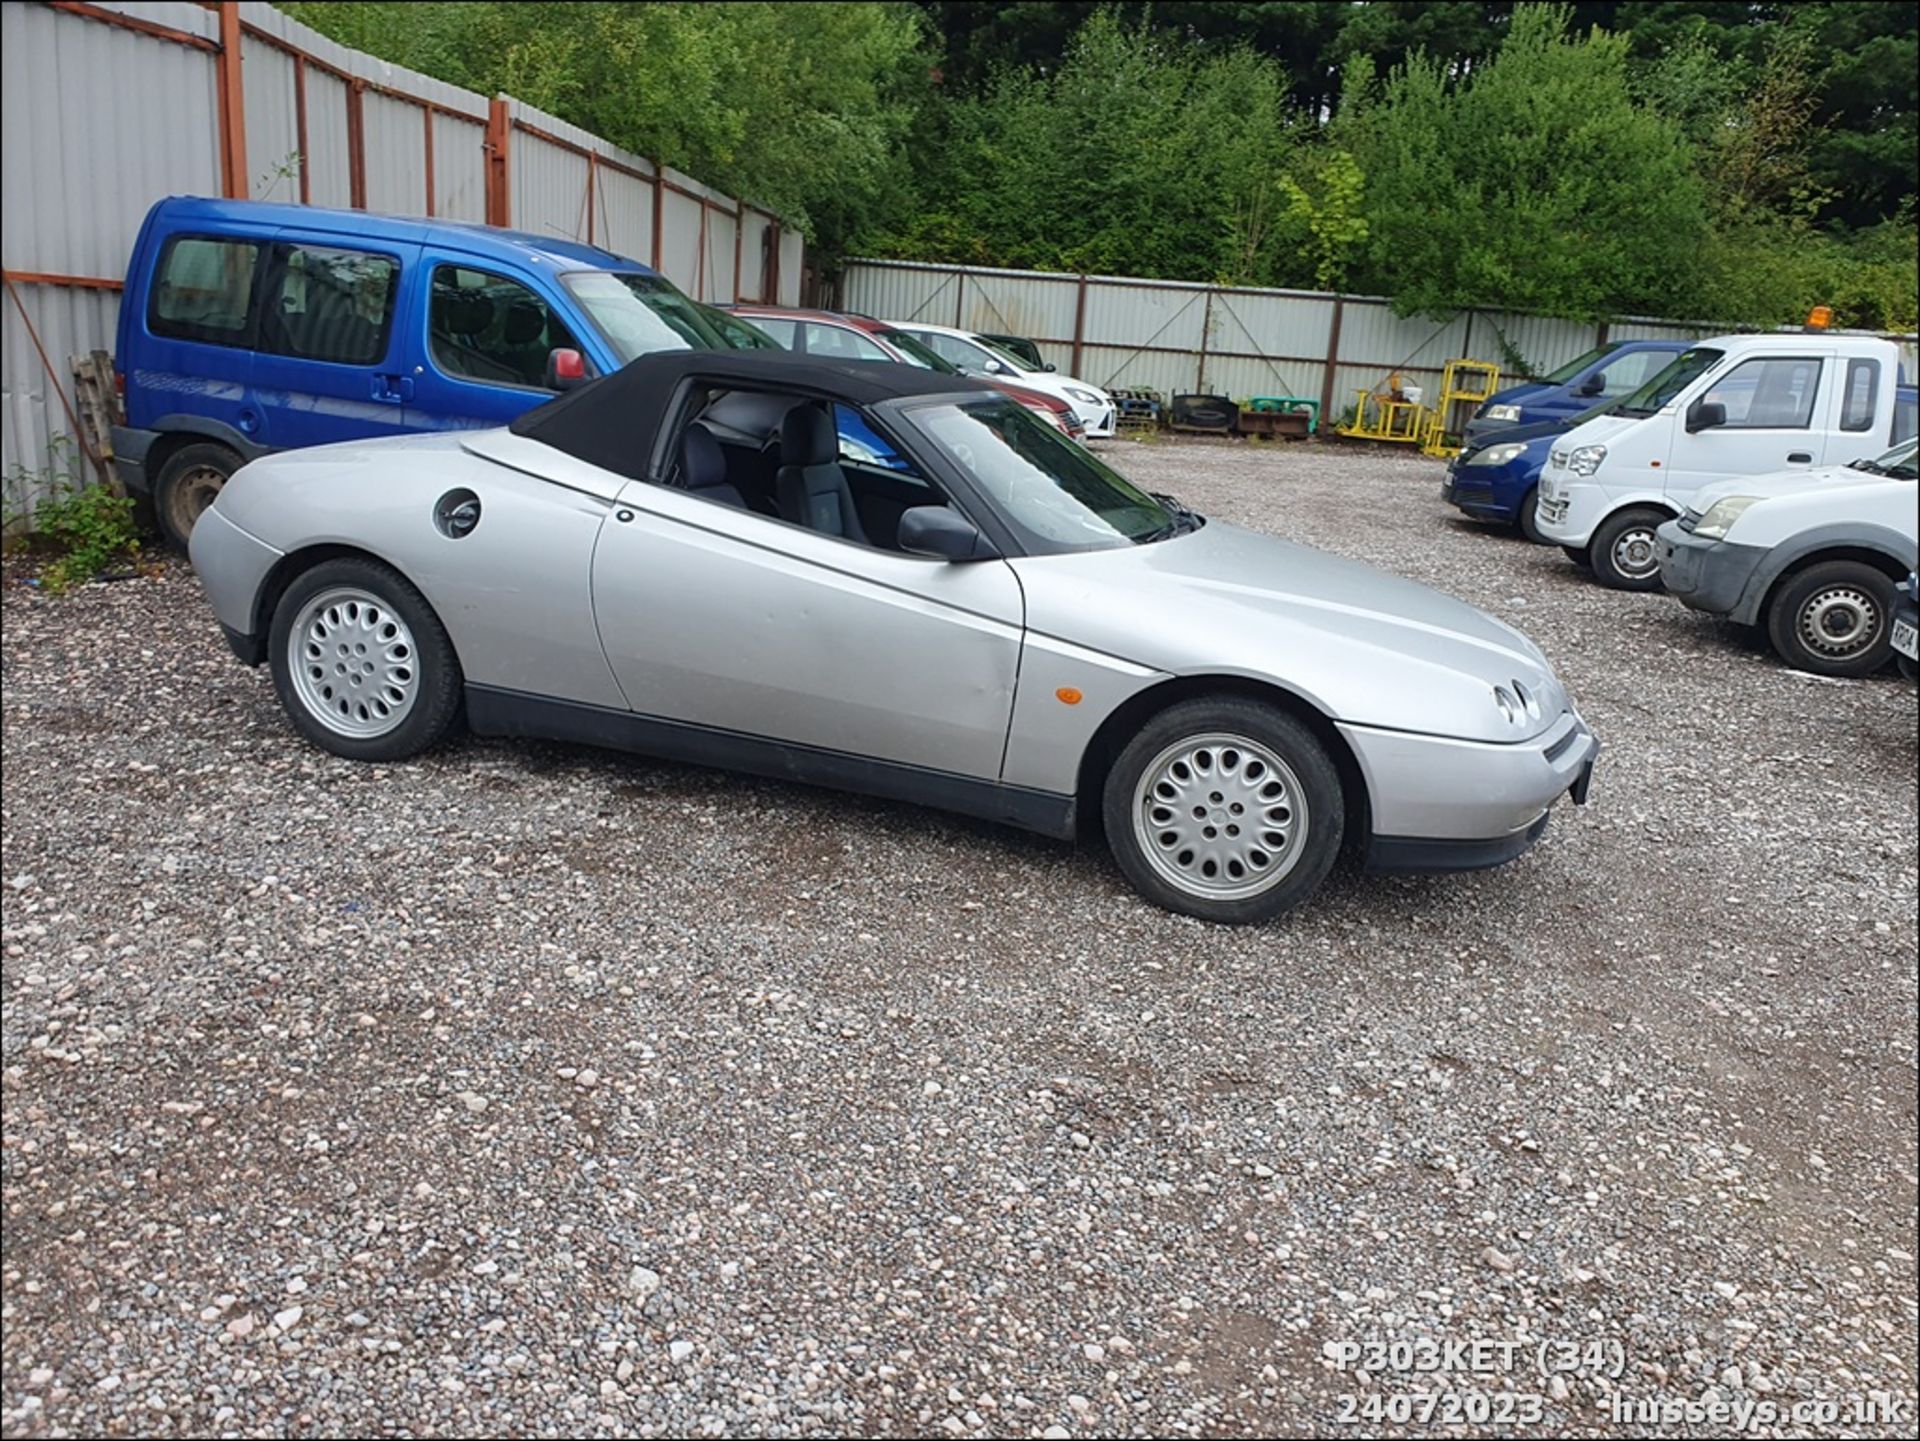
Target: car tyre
(361, 662)
(187, 484)
(1529, 519)
(1579, 555)
(1224, 808)
(1625, 550)
(1833, 619)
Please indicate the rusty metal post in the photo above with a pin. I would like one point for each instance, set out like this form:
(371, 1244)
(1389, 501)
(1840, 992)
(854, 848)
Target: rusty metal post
(1206, 329)
(1333, 363)
(1079, 323)
(300, 127)
(427, 115)
(499, 188)
(235, 184)
(357, 144)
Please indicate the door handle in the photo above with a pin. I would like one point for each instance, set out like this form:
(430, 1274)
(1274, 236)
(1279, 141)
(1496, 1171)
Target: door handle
(1799, 457)
(394, 389)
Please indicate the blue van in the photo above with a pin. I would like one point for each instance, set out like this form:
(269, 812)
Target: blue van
(1607, 373)
(248, 327)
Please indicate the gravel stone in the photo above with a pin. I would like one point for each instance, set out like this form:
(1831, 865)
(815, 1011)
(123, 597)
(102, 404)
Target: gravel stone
(913, 1110)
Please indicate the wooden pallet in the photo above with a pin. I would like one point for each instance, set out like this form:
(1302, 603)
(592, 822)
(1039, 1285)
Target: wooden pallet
(99, 402)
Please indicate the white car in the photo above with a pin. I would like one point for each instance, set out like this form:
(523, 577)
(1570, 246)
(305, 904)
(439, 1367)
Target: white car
(1817, 557)
(976, 355)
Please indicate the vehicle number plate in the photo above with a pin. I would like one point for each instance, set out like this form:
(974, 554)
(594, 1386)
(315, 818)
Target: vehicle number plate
(1906, 639)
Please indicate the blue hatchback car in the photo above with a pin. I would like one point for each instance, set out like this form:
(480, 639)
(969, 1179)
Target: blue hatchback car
(1605, 374)
(249, 327)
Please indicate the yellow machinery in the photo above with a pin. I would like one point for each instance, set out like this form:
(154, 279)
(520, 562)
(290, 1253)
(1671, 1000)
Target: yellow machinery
(1399, 412)
(1463, 382)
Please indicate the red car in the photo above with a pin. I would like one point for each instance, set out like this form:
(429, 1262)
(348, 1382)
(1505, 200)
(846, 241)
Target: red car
(834, 335)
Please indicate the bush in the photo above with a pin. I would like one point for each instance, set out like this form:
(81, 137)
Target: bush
(85, 527)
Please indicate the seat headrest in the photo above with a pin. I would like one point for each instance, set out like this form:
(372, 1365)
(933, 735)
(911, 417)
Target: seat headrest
(526, 323)
(808, 437)
(459, 312)
(702, 463)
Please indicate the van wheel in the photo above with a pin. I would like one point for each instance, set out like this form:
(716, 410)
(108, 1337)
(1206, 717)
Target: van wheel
(1833, 619)
(187, 484)
(1529, 520)
(1626, 549)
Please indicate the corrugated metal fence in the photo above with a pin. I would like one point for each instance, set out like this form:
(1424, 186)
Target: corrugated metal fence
(107, 107)
(1181, 338)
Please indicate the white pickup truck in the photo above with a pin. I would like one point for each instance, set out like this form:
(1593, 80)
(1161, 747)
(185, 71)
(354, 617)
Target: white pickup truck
(1731, 406)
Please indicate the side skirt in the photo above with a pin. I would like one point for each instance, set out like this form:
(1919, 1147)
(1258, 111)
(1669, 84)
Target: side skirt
(496, 712)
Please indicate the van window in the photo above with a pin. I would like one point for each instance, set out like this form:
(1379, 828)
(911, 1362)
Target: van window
(328, 304)
(1863, 385)
(1630, 372)
(203, 290)
(1769, 393)
(485, 327)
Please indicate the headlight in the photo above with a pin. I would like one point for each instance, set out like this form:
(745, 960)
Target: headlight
(1721, 515)
(1497, 454)
(1085, 397)
(1501, 412)
(1586, 459)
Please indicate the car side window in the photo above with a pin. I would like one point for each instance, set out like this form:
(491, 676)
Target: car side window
(1863, 386)
(1771, 393)
(782, 331)
(835, 342)
(328, 304)
(489, 328)
(955, 351)
(203, 290)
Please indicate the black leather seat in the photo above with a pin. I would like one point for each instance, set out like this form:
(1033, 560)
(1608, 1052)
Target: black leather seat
(811, 489)
(703, 468)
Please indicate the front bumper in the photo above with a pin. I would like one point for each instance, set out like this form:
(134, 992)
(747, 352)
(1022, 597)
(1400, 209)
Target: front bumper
(1100, 420)
(233, 566)
(1570, 510)
(1488, 492)
(1445, 804)
(1706, 575)
(130, 447)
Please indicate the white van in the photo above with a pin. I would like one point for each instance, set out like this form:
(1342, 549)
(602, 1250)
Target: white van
(1735, 405)
(1815, 557)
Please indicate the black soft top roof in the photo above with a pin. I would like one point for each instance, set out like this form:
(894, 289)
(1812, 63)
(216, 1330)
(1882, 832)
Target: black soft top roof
(615, 421)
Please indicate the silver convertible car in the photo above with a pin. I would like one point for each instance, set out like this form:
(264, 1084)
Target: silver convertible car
(897, 582)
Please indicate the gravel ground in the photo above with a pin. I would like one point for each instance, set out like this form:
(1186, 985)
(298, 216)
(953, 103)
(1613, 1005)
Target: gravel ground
(531, 1089)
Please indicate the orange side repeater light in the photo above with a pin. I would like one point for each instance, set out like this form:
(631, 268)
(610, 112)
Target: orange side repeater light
(1067, 695)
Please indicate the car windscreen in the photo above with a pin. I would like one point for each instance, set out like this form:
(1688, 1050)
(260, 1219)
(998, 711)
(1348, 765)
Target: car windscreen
(1574, 367)
(1659, 392)
(641, 314)
(918, 353)
(1054, 495)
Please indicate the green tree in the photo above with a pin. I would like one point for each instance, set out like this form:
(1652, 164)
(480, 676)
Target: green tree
(1535, 182)
(801, 107)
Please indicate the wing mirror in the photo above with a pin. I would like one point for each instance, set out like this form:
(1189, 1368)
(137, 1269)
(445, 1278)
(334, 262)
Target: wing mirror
(994, 367)
(566, 368)
(1050, 368)
(1705, 415)
(941, 530)
(1595, 384)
